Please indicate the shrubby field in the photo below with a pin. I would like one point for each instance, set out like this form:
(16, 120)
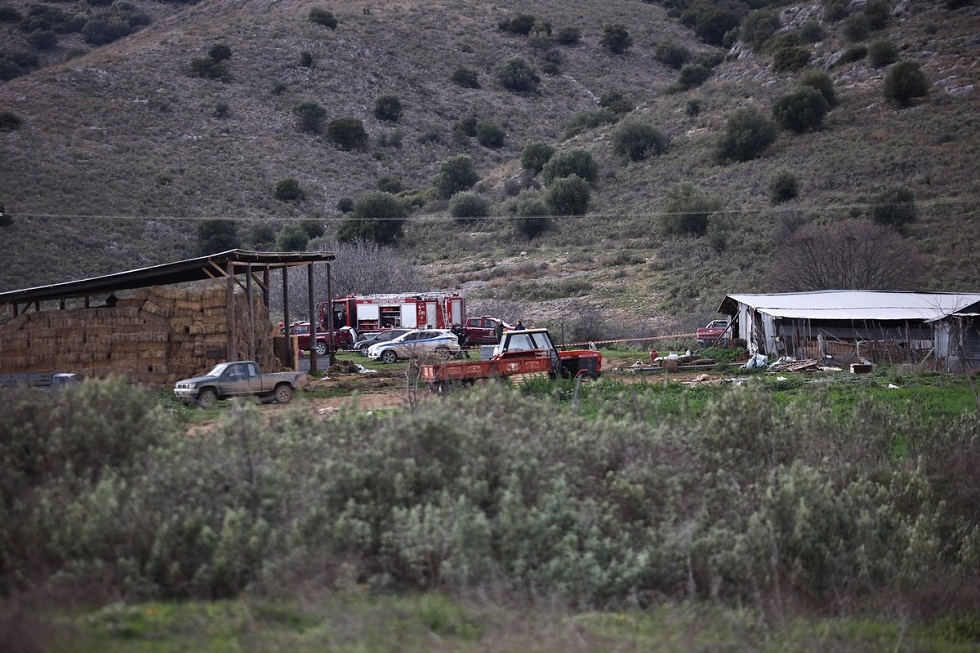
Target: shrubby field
(769, 500)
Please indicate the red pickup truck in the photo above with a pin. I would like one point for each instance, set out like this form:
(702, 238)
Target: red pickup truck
(481, 330)
(342, 339)
(716, 330)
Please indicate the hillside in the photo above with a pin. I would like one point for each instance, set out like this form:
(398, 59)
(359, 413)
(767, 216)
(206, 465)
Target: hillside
(121, 152)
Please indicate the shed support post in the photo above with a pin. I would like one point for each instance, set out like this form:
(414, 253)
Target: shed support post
(232, 348)
(285, 302)
(329, 311)
(251, 312)
(265, 287)
(313, 321)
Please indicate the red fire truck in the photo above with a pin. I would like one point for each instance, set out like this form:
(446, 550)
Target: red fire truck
(367, 313)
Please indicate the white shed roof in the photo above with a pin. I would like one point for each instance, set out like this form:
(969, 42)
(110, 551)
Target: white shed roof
(856, 305)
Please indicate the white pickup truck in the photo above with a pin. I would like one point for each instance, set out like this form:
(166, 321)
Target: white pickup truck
(239, 379)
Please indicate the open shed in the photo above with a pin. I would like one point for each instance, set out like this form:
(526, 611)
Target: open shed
(155, 324)
(856, 325)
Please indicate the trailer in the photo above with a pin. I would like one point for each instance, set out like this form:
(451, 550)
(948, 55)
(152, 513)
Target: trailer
(42, 380)
(371, 313)
(521, 354)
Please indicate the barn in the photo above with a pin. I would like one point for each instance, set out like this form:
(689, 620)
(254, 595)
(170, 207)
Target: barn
(851, 326)
(157, 324)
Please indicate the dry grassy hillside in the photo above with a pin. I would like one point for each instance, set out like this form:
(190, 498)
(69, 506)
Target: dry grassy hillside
(121, 151)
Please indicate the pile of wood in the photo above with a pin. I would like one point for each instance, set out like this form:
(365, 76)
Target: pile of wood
(154, 336)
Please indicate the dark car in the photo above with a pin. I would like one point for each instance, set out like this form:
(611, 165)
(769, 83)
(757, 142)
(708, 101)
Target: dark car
(482, 330)
(361, 346)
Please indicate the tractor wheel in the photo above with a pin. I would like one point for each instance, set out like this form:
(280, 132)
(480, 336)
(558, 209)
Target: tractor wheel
(283, 394)
(389, 356)
(207, 398)
(321, 349)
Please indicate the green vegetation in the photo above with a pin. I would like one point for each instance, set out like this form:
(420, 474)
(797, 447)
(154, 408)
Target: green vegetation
(783, 186)
(673, 55)
(466, 78)
(310, 115)
(748, 134)
(616, 39)
(320, 16)
(905, 82)
(217, 236)
(456, 175)
(569, 195)
(465, 206)
(757, 27)
(490, 135)
(10, 121)
(635, 141)
(894, 207)
(535, 154)
(533, 215)
(292, 238)
(686, 210)
(882, 52)
(801, 110)
(572, 162)
(388, 108)
(289, 190)
(518, 76)
(821, 81)
(347, 133)
(377, 217)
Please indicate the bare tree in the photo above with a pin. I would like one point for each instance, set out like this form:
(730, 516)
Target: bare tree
(847, 255)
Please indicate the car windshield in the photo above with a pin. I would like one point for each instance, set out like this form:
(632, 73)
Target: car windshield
(217, 370)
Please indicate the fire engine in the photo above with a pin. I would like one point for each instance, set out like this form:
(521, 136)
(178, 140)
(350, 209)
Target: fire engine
(366, 313)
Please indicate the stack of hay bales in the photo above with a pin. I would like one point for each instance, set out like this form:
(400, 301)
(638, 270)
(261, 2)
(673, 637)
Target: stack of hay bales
(155, 336)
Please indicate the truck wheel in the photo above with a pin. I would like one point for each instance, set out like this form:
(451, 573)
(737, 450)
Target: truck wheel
(283, 394)
(389, 356)
(443, 353)
(207, 398)
(321, 348)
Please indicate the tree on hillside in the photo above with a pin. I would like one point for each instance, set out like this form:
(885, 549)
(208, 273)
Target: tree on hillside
(292, 238)
(616, 39)
(894, 207)
(572, 162)
(455, 175)
(310, 116)
(636, 141)
(518, 76)
(904, 82)
(847, 255)
(747, 135)
(686, 210)
(535, 154)
(378, 217)
(801, 110)
(365, 266)
(215, 236)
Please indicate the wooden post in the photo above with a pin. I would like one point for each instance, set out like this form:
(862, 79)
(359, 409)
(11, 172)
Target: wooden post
(314, 367)
(285, 300)
(265, 287)
(231, 351)
(251, 312)
(330, 324)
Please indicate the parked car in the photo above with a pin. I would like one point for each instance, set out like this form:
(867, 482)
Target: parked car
(237, 379)
(361, 346)
(418, 342)
(342, 338)
(482, 330)
(715, 330)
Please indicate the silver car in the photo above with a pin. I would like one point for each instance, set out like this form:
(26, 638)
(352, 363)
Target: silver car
(438, 342)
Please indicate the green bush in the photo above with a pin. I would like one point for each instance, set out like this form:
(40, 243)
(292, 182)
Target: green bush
(835, 11)
(636, 141)
(219, 52)
(894, 207)
(345, 204)
(377, 217)
(466, 78)
(783, 186)
(388, 107)
(535, 154)
(713, 23)
(289, 190)
(850, 55)
(533, 216)
(811, 32)
(882, 52)
(320, 16)
(306, 59)
(691, 76)
(10, 14)
(310, 115)
(800, 110)
(521, 24)
(119, 20)
(878, 13)
(616, 39)
(748, 133)
(10, 121)
(616, 102)
(347, 133)
(489, 135)
(856, 27)
(389, 183)
(456, 175)
(569, 36)
(44, 39)
(215, 236)
(292, 238)
(757, 27)
(263, 237)
(571, 162)
(686, 210)
(569, 195)
(905, 82)
(585, 120)
(790, 59)
(692, 108)
(821, 81)
(672, 54)
(516, 75)
(466, 206)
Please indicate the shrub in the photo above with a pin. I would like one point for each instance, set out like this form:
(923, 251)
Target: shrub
(572, 162)
(9, 14)
(219, 52)
(313, 228)
(288, 190)
(345, 204)
(306, 59)
(10, 121)
(389, 183)
(466, 78)
(692, 108)
(856, 27)
(636, 141)
(821, 81)
(569, 36)
(878, 13)
(467, 206)
(790, 59)
(835, 11)
(455, 175)
(489, 135)
(747, 135)
(320, 16)
(882, 52)
(672, 54)
(532, 213)
(310, 116)
(44, 39)
(377, 217)
(714, 23)
(686, 210)
(894, 207)
(691, 76)
(904, 82)
(757, 27)
(388, 107)
(569, 195)
(215, 236)
(520, 24)
(616, 39)
(811, 32)
(347, 133)
(121, 19)
(292, 238)
(535, 154)
(616, 102)
(800, 110)
(850, 55)
(585, 120)
(516, 75)
(783, 186)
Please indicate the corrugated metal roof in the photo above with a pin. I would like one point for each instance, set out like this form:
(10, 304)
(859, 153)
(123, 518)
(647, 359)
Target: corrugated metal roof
(855, 305)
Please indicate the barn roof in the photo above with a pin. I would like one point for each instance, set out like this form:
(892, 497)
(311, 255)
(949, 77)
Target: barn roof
(857, 305)
(212, 266)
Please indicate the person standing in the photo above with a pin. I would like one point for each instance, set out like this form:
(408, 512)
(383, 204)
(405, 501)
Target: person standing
(520, 325)
(498, 331)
